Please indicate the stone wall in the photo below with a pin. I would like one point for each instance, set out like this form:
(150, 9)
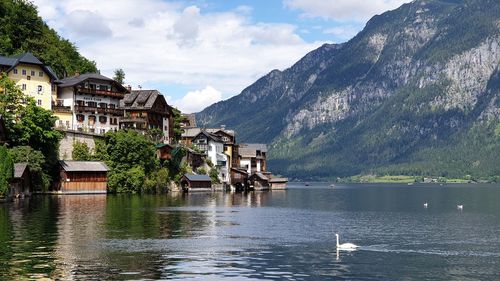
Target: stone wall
(66, 144)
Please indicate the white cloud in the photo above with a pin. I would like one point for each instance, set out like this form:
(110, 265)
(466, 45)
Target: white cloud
(87, 24)
(196, 101)
(160, 43)
(343, 10)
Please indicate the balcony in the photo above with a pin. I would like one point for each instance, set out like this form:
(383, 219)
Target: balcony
(101, 93)
(61, 108)
(101, 110)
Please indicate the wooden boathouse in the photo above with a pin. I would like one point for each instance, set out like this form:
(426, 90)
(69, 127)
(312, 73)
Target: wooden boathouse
(82, 177)
(192, 182)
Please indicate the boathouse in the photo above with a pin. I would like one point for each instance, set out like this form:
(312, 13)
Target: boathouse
(259, 181)
(192, 182)
(21, 183)
(81, 177)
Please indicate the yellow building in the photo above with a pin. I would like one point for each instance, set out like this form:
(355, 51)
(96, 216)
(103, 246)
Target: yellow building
(32, 77)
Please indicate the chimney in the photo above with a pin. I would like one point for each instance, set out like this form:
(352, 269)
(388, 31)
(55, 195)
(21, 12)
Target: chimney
(129, 88)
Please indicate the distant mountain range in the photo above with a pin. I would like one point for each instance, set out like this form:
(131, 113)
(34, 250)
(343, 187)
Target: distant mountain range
(417, 92)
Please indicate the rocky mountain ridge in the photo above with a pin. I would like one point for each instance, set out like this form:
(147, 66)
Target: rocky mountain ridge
(404, 96)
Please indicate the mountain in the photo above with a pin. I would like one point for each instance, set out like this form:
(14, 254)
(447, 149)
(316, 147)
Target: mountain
(22, 30)
(416, 92)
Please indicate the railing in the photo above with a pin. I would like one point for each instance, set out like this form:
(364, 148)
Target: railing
(61, 108)
(101, 92)
(93, 109)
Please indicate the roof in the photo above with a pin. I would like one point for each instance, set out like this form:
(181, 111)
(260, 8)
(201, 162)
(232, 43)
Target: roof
(190, 119)
(261, 176)
(77, 79)
(194, 177)
(27, 58)
(83, 166)
(162, 145)
(19, 169)
(209, 135)
(190, 132)
(278, 180)
(250, 149)
(217, 130)
(141, 99)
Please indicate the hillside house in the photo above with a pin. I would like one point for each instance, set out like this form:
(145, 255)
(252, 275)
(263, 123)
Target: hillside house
(34, 78)
(89, 103)
(213, 147)
(146, 110)
(253, 157)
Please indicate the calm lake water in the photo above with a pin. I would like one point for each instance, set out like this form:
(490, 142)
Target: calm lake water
(278, 235)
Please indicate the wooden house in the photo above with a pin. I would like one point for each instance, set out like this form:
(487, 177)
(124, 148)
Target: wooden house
(80, 177)
(277, 183)
(21, 183)
(164, 151)
(193, 182)
(145, 110)
(259, 181)
(239, 179)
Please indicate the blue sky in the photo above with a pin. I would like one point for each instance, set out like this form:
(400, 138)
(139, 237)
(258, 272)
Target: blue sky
(197, 52)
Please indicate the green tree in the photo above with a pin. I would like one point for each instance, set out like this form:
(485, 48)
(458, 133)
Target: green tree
(178, 119)
(154, 134)
(214, 175)
(36, 160)
(119, 76)
(81, 151)
(6, 171)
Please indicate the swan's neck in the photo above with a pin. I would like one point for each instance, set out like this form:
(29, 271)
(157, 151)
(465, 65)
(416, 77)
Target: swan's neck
(337, 240)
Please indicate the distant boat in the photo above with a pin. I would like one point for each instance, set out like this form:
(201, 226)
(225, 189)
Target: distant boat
(332, 185)
(306, 184)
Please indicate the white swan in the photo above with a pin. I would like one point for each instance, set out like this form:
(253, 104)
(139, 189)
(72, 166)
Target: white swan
(345, 246)
(460, 207)
(426, 205)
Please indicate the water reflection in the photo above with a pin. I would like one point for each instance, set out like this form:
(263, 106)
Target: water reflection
(278, 235)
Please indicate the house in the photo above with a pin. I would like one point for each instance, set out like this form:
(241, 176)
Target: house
(239, 179)
(213, 146)
(253, 157)
(188, 121)
(164, 151)
(80, 177)
(259, 181)
(89, 103)
(188, 135)
(145, 110)
(194, 159)
(3, 131)
(33, 77)
(21, 183)
(193, 182)
(229, 139)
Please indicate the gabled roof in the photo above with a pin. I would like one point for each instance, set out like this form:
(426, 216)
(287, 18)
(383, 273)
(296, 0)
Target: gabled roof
(190, 120)
(19, 169)
(77, 79)
(209, 136)
(194, 177)
(190, 132)
(220, 130)
(260, 176)
(142, 99)
(83, 166)
(27, 58)
(250, 149)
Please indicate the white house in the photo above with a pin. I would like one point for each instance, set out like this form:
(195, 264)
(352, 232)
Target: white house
(213, 146)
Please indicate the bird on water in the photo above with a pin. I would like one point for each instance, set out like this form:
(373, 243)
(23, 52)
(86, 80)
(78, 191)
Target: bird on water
(345, 246)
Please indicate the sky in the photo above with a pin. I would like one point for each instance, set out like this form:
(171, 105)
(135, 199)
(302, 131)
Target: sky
(198, 52)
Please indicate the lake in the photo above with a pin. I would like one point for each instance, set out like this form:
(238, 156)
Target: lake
(275, 235)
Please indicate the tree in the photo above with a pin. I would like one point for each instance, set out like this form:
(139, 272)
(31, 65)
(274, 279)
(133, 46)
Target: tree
(119, 76)
(178, 119)
(154, 134)
(6, 171)
(81, 151)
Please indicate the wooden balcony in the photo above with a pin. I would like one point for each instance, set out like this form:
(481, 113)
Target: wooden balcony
(61, 108)
(101, 110)
(101, 93)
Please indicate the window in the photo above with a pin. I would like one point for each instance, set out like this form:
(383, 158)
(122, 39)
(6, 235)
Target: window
(91, 120)
(60, 123)
(92, 104)
(103, 105)
(32, 73)
(103, 119)
(80, 117)
(54, 88)
(24, 71)
(28, 77)
(67, 124)
(23, 87)
(40, 89)
(39, 102)
(15, 70)
(112, 106)
(40, 73)
(209, 148)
